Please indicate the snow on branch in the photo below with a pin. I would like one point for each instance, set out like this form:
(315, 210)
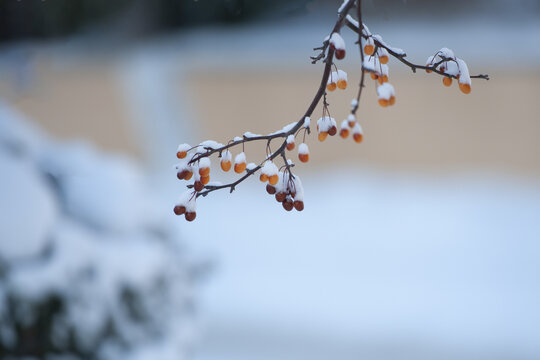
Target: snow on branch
(281, 182)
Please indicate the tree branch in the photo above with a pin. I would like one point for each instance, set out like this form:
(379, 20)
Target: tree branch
(284, 134)
(401, 57)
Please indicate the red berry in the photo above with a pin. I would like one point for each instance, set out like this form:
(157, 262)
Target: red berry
(340, 54)
(280, 196)
(182, 174)
(179, 209)
(288, 204)
(190, 216)
(198, 186)
(332, 131)
(299, 205)
(270, 189)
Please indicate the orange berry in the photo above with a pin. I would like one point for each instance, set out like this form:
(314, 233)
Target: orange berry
(383, 59)
(273, 180)
(392, 100)
(344, 133)
(331, 86)
(263, 178)
(358, 137)
(190, 216)
(385, 78)
(428, 71)
(374, 76)
(465, 88)
(225, 165)
(179, 209)
(198, 185)
(342, 84)
(189, 175)
(181, 154)
(369, 49)
(303, 157)
(205, 179)
(290, 146)
(447, 81)
(204, 171)
(299, 205)
(384, 102)
(240, 167)
(323, 135)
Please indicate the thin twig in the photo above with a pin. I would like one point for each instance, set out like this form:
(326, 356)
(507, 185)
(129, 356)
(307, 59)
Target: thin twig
(401, 57)
(362, 72)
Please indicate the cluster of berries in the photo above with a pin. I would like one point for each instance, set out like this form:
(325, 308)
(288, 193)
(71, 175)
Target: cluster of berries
(288, 191)
(187, 206)
(337, 79)
(449, 64)
(199, 171)
(326, 125)
(280, 182)
(350, 125)
(376, 65)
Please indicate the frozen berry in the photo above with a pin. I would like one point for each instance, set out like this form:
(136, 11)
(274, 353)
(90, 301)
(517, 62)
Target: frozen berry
(332, 131)
(225, 165)
(340, 54)
(270, 189)
(198, 185)
(447, 81)
(288, 204)
(181, 154)
(190, 216)
(179, 209)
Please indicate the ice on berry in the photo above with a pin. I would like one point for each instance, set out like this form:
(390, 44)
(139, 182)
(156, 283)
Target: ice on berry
(226, 155)
(240, 158)
(385, 91)
(204, 163)
(269, 168)
(306, 122)
(324, 124)
(337, 41)
(357, 129)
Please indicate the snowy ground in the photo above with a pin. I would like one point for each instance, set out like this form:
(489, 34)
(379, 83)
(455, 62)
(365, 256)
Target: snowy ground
(424, 266)
(380, 265)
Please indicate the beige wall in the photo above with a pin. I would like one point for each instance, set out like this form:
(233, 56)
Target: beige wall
(431, 127)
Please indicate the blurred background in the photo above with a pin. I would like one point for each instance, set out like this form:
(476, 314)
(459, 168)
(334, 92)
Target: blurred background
(422, 242)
